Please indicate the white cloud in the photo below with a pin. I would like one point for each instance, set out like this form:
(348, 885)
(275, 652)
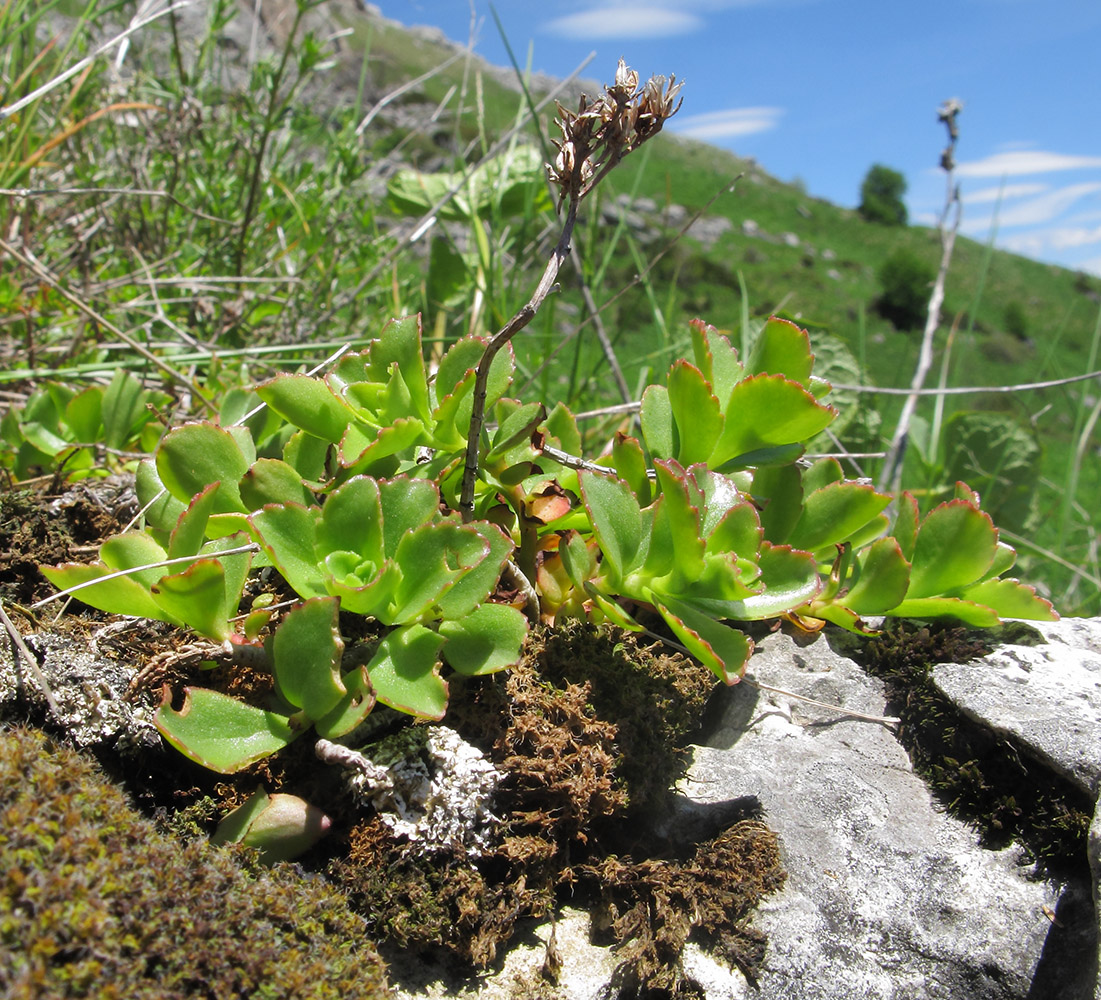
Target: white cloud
(727, 124)
(1005, 192)
(1016, 163)
(1092, 266)
(624, 22)
(1036, 211)
(1063, 239)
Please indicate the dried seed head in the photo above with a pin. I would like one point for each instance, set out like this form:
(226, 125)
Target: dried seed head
(604, 130)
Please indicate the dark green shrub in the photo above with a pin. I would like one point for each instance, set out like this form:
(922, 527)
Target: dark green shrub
(94, 901)
(881, 196)
(905, 280)
(1016, 321)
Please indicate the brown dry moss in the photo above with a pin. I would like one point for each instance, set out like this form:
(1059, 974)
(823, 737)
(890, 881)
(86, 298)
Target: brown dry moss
(652, 908)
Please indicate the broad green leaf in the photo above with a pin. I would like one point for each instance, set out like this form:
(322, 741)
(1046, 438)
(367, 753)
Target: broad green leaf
(696, 417)
(131, 550)
(605, 609)
(1011, 599)
(515, 426)
(432, 558)
(884, 579)
(718, 494)
(306, 651)
(307, 455)
(955, 546)
(309, 403)
(562, 427)
(271, 480)
(121, 596)
(715, 358)
(722, 649)
(190, 531)
(286, 533)
(351, 520)
(376, 458)
(577, 558)
(615, 517)
(738, 532)
(822, 473)
(460, 359)
(835, 513)
(630, 465)
(764, 411)
(352, 709)
(193, 456)
(781, 348)
(906, 524)
(478, 583)
(406, 504)
(400, 344)
(967, 612)
(197, 597)
(656, 419)
(222, 733)
(683, 519)
(1004, 559)
(484, 641)
(788, 579)
(780, 489)
(123, 409)
(235, 567)
(84, 415)
(405, 674)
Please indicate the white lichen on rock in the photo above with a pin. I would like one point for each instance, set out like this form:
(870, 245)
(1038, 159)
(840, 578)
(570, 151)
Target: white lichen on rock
(427, 783)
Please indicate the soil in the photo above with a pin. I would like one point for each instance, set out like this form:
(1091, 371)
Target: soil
(588, 733)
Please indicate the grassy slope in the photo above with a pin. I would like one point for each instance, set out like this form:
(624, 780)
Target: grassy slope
(1060, 306)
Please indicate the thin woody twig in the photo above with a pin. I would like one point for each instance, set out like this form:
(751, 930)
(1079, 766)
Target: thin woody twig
(891, 476)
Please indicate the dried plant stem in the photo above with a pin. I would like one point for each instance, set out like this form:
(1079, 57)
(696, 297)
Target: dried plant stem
(891, 477)
(29, 659)
(501, 338)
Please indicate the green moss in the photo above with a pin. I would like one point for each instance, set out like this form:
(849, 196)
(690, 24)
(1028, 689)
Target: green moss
(95, 901)
(983, 778)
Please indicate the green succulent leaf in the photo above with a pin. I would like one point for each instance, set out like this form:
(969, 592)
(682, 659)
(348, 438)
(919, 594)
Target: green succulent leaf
(630, 465)
(780, 489)
(615, 517)
(656, 420)
(222, 733)
(441, 554)
(280, 826)
(286, 533)
(1011, 599)
(722, 649)
(834, 513)
(955, 546)
(271, 480)
(162, 510)
(123, 410)
(190, 531)
(968, 612)
(352, 709)
(484, 641)
(788, 579)
(479, 582)
(696, 417)
(782, 348)
(765, 412)
(884, 579)
(405, 674)
(906, 524)
(193, 456)
(715, 358)
(196, 597)
(309, 403)
(306, 651)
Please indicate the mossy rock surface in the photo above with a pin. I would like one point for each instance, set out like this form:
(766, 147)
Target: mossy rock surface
(95, 901)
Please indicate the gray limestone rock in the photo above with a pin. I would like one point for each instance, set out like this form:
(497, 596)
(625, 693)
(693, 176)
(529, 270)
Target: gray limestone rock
(1042, 688)
(887, 896)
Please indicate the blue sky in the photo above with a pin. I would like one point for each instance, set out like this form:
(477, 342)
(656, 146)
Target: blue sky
(818, 90)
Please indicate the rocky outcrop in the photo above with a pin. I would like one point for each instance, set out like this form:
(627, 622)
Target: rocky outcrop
(888, 894)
